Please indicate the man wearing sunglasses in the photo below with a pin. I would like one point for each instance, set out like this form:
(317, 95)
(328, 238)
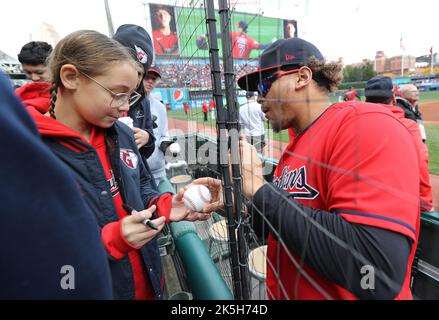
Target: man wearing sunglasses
(343, 213)
(339, 172)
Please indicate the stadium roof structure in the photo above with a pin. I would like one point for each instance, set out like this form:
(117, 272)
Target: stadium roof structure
(9, 64)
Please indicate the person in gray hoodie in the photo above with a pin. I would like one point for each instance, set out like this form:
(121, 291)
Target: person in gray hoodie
(156, 161)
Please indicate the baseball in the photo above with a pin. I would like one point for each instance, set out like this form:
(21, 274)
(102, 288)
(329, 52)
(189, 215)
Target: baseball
(197, 197)
(175, 148)
(127, 120)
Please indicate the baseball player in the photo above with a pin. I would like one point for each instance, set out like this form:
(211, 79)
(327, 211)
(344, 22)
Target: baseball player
(242, 43)
(351, 95)
(205, 111)
(344, 212)
(165, 39)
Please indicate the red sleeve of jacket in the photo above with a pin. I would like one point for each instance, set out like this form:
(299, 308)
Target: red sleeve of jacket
(426, 194)
(164, 205)
(114, 241)
(35, 94)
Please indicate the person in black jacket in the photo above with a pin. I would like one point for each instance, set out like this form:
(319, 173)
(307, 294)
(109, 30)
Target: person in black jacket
(139, 44)
(94, 83)
(50, 244)
(407, 98)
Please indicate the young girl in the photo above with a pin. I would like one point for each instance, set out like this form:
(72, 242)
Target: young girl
(94, 79)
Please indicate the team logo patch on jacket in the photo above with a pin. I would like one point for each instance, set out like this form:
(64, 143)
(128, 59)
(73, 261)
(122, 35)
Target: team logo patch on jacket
(129, 158)
(141, 55)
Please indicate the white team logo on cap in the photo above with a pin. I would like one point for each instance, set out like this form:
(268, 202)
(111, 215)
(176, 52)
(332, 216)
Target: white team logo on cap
(141, 55)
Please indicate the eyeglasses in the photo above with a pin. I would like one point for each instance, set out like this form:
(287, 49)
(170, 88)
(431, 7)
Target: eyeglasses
(119, 99)
(265, 84)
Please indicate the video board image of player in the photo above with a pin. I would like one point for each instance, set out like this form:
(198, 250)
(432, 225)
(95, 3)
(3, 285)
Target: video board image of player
(164, 30)
(290, 29)
(242, 43)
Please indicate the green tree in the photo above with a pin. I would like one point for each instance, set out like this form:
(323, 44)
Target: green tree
(361, 73)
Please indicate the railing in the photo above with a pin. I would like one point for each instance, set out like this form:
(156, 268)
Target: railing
(204, 280)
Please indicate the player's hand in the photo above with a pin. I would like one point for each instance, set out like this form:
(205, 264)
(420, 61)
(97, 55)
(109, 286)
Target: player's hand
(138, 234)
(216, 190)
(141, 136)
(251, 169)
(180, 212)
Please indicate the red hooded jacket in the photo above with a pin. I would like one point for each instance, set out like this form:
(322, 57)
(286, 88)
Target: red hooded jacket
(112, 235)
(35, 94)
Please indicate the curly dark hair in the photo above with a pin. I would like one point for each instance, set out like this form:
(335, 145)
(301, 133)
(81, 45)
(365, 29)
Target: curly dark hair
(34, 53)
(328, 75)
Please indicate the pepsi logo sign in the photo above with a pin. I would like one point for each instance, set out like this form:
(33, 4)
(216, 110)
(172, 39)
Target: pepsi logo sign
(178, 95)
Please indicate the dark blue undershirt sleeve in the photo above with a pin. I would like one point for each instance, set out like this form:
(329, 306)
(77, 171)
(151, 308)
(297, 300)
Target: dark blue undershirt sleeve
(386, 250)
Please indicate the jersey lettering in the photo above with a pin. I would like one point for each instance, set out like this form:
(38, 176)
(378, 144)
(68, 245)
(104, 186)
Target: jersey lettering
(295, 183)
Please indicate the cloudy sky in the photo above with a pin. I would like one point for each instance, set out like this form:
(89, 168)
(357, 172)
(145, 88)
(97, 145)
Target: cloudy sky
(351, 29)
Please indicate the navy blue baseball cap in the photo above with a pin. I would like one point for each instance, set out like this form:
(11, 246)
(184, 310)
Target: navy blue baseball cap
(284, 54)
(243, 24)
(379, 87)
(138, 40)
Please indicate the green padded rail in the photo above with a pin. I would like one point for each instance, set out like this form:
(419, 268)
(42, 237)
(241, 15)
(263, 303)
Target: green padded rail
(430, 218)
(166, 186)
(204, 278)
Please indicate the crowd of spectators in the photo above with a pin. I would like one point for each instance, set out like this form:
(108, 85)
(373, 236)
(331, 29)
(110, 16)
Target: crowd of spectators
(194, 75)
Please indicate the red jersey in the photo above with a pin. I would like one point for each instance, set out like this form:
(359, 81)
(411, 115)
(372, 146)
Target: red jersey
(347, 163)
(242, 45)
(165, 44)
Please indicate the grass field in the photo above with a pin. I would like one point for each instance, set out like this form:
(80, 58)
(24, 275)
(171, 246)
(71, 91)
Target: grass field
(433, 147)
(429, 96)
(423, 98)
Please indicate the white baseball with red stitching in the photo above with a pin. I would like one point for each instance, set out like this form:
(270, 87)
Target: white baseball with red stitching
(197, 197)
